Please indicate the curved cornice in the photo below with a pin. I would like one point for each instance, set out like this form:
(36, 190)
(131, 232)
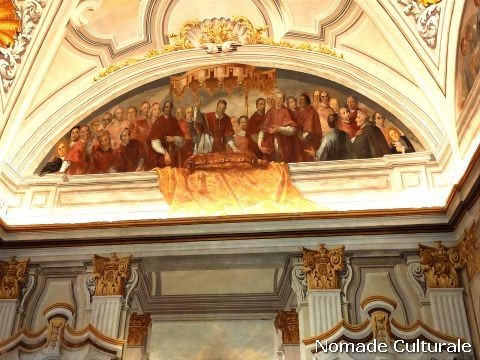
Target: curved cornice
(54, 122)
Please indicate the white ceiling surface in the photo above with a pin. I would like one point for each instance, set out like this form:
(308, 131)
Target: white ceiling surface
(384, 58)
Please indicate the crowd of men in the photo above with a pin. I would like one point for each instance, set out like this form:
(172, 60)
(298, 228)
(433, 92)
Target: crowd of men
(282, 130)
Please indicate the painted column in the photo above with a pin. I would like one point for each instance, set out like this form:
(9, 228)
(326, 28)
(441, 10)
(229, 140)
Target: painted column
(110, 278)
(13, 274)
(325, 310)
(317, 285)
(8, 310)
(440, 266)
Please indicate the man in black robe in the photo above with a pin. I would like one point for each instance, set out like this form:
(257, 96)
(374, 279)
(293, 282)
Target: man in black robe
(369, 141)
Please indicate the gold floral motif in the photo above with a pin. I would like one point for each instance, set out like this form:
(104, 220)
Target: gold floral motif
(287, 322)
(440, 265)
(470, 251)
(239, 29)
(138, 328)
(10, 25)
(380, 326)
(322, 267)
(12, 275)
(111, 274)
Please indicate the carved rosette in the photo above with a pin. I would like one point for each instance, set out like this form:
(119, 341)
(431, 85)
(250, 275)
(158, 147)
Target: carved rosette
(287, 322)
(470, 251)
(111, 274)
(322, 267)
(28, 13)
(13, 275)
(138, 328)
(440, 265)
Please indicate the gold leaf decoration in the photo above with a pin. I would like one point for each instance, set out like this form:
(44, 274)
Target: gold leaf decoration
(195, 33)
(9, 23)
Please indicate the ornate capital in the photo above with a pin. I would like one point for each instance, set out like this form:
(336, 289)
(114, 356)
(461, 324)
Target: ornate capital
(470, 251)
(13, 274)
(322, 267)
(138, 328)
(287, 321)
(440, 265)
(111, 274)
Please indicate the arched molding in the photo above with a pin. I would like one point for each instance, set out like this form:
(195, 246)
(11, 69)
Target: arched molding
(52, 122)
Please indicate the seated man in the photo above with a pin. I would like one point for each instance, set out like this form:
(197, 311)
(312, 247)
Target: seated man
(216, 130)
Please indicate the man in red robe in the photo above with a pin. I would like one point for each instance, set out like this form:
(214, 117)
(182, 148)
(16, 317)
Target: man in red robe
(347, 125)
(310, 130)
(131, 154)
(255, 124)
(164, 139)
(352, 106)
(276, 139)
(103, 159)
(77, 157)
(216, 128)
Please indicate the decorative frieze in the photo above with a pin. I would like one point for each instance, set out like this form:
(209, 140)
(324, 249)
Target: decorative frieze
(287, 322)
(138, 328)
(111, 274)
(13, 274)
(440, 265)
(322, 267)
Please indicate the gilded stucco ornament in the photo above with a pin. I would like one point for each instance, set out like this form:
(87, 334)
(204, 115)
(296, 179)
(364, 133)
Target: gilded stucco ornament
(9, 23)
(217, 35)
(111, 274)
(13, 275)
(440, 265)
(287, 322)
(427, 16)
(322, 267)
(28, 13)
(138, 328)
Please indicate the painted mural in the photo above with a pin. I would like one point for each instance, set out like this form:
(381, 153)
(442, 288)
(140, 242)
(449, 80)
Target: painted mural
(229, 116)
(221, 138)
(468, 56)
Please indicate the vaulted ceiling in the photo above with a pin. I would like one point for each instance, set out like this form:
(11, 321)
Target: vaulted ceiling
(400, 54)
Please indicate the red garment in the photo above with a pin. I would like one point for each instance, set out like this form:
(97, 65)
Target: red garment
(219, 129)
(103, 161)
(351, 129)
(244, 144)
(162, 127)
(129, 156)
(255, 124)
(309, 121)
(287, 146)
(187, 149)
(353, 115)
(77, 156)
(142, 129)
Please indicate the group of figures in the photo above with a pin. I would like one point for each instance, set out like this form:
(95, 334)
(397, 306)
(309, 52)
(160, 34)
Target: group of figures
(470, 51)
(151, 136)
